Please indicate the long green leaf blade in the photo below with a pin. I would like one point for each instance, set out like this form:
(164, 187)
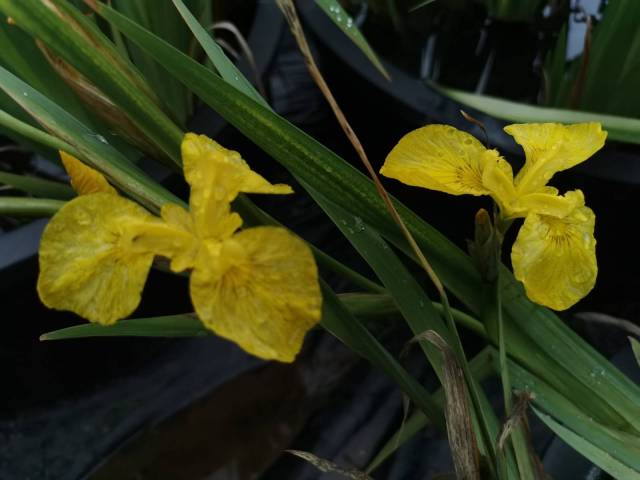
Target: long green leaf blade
(166, 326)
(622, 129)
(225, 67)
(582, 445)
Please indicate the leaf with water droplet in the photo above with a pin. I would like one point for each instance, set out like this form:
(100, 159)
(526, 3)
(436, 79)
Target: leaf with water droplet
(343, 20)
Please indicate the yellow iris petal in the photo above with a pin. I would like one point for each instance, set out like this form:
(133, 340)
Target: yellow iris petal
(88, 263)
(551, 148)
(555, 258)
(216, 176)
(84, 179)
(440, 157)
(260, 290)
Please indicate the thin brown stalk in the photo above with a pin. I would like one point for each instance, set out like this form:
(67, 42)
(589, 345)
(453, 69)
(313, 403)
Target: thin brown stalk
(289, 11)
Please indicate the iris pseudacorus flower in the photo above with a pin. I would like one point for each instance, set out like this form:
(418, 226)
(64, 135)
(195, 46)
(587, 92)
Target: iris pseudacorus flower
(257, 287)
(554, 253)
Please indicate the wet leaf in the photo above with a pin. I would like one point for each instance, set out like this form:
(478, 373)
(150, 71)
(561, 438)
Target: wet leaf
(635, 346)
(343, 20)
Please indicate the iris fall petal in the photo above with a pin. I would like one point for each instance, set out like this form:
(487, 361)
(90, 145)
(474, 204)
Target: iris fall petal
(555, 258)
(260, 290)
(88, 262)
(443, 158)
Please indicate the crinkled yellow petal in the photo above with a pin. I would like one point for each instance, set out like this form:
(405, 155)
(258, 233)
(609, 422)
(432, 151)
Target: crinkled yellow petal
(216, 176)
(551, 148)
(88, 263)
(440, 157)
(260, 290)
(84, 179)
(555, 258)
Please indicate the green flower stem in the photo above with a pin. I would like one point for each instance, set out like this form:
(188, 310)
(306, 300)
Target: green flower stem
(35, 134)
(378, 306)
(29, 207)
(518, 436)
(502, 349)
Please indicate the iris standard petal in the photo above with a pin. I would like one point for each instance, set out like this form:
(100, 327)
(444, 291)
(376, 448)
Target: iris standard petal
(216, 176)
(88, 263)
(84, 179)
(551, 148)
(260, 290)
(443, 158)
(555, 258)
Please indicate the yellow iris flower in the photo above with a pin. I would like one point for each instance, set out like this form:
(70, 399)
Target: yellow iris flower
(257, 287)
(554, 253)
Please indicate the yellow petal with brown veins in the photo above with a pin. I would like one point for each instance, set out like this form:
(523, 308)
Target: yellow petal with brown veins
(443, 158)
(260, 290)
(555, 258)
